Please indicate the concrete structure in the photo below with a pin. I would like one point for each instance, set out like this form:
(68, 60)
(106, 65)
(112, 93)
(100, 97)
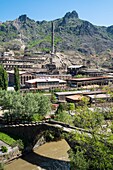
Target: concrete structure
(74, 99)
(10, 66)
(79, 82)
(61, 96)
(92, 72)
(24, 76)
(46, 84)
(74, 69)
(30, 133)
(100, 98)
(58, 76)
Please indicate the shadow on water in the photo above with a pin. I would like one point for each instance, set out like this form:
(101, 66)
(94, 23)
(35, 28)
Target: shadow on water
(46, 162)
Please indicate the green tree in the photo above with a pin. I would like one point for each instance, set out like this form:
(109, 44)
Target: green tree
(45, 105)
(94, 146)
(16, 79)
(3, 78)
(78, 160)
(65, 117)
(62, 107)
(28, 107)
(71, 106)
(53, 98)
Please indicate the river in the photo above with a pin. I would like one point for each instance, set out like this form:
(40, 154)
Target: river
(50, 156)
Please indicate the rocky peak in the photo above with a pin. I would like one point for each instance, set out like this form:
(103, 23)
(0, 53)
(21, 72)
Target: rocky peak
(72, 14)
(22, 18)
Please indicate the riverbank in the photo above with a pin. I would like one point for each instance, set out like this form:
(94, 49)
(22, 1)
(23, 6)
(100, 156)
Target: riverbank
(52, 155)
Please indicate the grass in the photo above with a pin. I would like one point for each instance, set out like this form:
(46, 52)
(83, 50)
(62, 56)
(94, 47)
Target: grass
(6, 138)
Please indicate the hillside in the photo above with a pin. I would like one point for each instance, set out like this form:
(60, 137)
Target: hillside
(71, 34)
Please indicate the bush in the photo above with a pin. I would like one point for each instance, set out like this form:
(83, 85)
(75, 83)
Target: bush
(4, 149)
(20, 144)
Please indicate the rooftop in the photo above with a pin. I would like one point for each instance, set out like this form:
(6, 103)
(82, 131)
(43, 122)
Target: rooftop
(20, 72)
(72, 92)
(45, 80)
(91, 78)
(75, 66)
(99, 96)
(75, 97)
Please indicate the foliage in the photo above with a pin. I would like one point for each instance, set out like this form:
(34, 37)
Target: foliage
(62, 107)
(80, 76)
(71, 106)
(53, 98)
(92, 148)
(19, 108)
(16, 79)
(95, 151)
(37, 117)
(78, 160)
(6, 138)
(52, 135)
(45, 105)
(3, 78)
(64, 117)
(20, 144)
(4, 149)
(49, 136)
(88, 119)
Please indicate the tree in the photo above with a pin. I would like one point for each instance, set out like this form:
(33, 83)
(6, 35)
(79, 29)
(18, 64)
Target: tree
(53, 98)
(45, 105)
(65, 117)
(93, 149)
(16, 79)
(78, 160)
(26, 107)
(62, 107)
(3, 78)
(71, 107)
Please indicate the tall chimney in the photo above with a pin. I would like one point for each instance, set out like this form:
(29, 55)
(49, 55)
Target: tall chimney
(52, 38)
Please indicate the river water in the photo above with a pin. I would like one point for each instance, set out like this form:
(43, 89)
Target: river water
(50, 156)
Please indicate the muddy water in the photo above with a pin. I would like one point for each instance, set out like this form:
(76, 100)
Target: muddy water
(50, 156)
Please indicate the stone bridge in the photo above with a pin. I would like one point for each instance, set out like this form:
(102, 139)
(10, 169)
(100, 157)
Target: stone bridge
(32, 132)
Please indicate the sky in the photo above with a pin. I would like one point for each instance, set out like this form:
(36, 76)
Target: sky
(98, 12)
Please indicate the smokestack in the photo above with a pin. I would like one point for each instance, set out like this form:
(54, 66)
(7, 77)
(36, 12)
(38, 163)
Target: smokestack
(52, 38)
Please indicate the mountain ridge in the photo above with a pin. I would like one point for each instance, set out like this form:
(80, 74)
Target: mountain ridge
(71, 34)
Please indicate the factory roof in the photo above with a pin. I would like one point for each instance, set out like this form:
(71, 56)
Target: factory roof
(99, 96)
(91, 78)
(71, 92)
(45, 80)
(75, 97)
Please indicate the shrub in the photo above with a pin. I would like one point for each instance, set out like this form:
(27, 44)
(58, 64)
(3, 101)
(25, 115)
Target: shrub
(4, 149)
